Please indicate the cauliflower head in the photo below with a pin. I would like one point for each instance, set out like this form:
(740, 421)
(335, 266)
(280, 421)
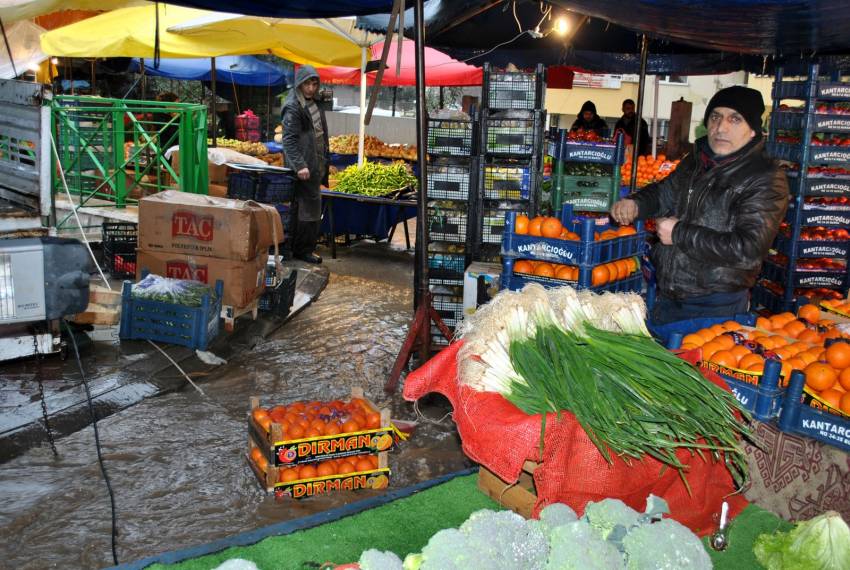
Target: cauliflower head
(608, 514)
(509, 539)
(664, 545)
(376, 560)
(577, 546)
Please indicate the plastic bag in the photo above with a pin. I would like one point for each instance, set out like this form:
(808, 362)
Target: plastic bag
(174, 291)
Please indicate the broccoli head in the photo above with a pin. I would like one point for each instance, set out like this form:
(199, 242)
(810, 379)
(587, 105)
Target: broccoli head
(509, 539)
(664, 545)
(576, 546)
(555, 515)
(608, 514)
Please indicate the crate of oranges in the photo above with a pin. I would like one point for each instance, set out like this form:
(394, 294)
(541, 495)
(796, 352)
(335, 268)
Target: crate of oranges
(621, 276)
(307, 448)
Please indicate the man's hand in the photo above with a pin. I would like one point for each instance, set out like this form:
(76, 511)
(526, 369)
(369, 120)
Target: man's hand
(304, 174)
(624, 211)
(665, 229)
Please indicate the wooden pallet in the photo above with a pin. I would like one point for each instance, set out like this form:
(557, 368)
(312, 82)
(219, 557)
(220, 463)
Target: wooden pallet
(520, 496)
(230, 313)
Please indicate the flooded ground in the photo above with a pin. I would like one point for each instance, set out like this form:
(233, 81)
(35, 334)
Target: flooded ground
(176, 462)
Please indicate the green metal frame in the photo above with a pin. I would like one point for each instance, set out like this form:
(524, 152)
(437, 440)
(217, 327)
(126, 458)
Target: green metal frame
(91, 133)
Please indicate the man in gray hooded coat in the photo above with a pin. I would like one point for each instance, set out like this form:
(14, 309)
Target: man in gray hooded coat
(305, 144)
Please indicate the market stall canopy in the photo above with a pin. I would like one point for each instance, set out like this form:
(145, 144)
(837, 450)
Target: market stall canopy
(599, 45)
(440, 69)
(238, 69)
(132, 32)
(23, 41)
(295, 8)
(12, 10)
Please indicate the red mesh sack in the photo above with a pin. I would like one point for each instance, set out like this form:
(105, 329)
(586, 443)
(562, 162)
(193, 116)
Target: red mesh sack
(501, 437)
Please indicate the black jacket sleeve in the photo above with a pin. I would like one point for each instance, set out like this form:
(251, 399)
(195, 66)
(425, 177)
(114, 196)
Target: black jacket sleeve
(291, 134)
(759, 210)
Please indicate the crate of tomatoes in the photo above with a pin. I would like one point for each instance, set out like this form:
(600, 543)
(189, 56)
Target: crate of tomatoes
(308, 448)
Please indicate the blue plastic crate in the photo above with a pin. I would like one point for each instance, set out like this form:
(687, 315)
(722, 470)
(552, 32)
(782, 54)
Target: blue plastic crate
(821, 122)
(275, 188)
(819, 185)
(194, 327)
(341, 161)
(825, 90)
(820, 216)
(671, 334)
(799, 416)
(516, 281)
(805, 277)
(242, 185)
(784, 151)
(811, 248)
(572, 252)
(759, 296)
(829, 154)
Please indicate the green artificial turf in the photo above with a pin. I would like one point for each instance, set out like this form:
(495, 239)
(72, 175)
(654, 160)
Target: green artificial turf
(743, 532)
(402, 526)
(405, 525)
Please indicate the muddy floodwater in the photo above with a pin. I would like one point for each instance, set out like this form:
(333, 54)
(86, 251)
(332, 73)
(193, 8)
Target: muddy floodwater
(176, 462)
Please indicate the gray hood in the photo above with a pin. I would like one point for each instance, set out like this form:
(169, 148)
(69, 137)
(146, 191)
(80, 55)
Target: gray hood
(305, 72)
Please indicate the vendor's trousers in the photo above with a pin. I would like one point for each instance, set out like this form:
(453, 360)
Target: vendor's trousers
(305, 235)
(668, 310)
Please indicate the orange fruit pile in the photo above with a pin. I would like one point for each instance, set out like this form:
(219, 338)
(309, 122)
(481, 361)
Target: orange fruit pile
(798, 342)
(838, 306)
(313, 419)
(649, 169)
(550, 227)
(602, 274)
(341, 466)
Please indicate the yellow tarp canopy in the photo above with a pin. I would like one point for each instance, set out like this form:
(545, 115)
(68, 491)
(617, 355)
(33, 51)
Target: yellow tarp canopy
(131, 32)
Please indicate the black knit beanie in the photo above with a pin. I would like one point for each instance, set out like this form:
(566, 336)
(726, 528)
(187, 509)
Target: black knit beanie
(746, 101)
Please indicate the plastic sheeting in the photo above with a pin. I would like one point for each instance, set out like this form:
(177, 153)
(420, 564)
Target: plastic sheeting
(294, 8)
(242, 70)
(440, 69)
(12, 10)
(26, 51)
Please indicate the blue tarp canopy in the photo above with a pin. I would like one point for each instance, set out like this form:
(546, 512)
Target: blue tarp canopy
(686, 36)
(242, 70)
(293, 8)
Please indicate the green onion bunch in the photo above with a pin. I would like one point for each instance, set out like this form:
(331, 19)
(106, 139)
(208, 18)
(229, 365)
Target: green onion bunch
(591, 355)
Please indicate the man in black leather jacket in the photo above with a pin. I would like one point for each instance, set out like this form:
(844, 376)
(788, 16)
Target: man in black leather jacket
(716, 215)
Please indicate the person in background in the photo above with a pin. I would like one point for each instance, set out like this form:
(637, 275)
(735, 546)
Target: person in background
(305, 146)
(588, 120)
(716, 215)
(166, 123)
(628, 124)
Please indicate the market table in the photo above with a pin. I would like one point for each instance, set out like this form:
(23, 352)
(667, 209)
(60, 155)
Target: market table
(355, 214)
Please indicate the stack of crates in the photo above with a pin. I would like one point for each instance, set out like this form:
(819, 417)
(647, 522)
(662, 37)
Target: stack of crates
(511, 154)
(452, 183)
(275, 188)
(809, 258)
(586, 174)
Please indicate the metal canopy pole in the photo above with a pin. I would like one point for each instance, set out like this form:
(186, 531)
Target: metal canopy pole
(361, 122)
(657, 84)
(214, 104)
(644, 49)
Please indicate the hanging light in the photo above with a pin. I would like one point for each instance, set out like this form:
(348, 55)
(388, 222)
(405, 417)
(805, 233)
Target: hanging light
(562, 26)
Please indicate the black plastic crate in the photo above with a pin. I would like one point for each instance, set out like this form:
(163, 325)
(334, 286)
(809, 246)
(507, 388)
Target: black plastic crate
(451, 137)
(265, 187)
(513, 89)
(447, 222)
(493, 221)
(449, 307)
(120, 240)
(511, 136)
(451, 181)
(242, 185)
(278, 300)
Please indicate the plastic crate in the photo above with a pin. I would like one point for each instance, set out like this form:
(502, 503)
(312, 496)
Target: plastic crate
(279, 299)
(814, 215)
(821, 122)
(242, 185)
(120, 240)
(446, 266)
(451, 137)
(811, 248)
(516, 281)
(450, 308)
(762, 297)
(513, 89)
(508, 181)
(805, 277)
(194, 327)
(585, 251)
(825, 90)
(671, 334)
(275, 188)
(819, 185)
(341, 161)
(448, 223)
(800, 415)
(589, 193)
(519, 137)
(493, 223)
(451, 181)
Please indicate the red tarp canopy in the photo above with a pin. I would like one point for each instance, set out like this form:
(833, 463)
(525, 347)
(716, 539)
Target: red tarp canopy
(440, 69)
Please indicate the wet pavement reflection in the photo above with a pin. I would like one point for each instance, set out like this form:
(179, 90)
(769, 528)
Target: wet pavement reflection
(177, 463)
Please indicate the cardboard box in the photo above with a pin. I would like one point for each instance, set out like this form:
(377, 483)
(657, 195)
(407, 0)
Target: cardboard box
(480, 284)
(217, 172)
(177, 222)
(243, 281)
(217, 190)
